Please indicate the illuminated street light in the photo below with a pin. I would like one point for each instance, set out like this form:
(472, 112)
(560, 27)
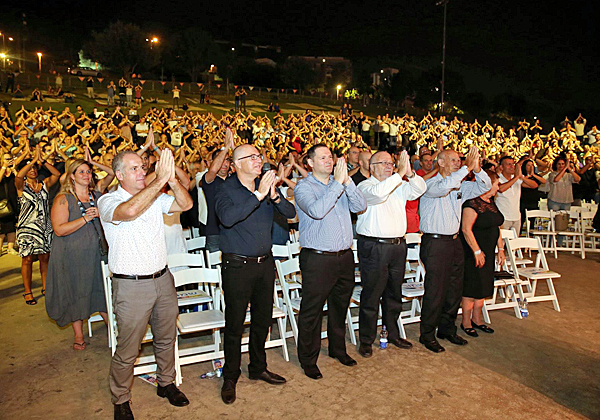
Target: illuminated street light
(338, 88)
(39, 61)
(232, 49)
(3, 57)
(10, 38)
(155, 40)
(323, 60)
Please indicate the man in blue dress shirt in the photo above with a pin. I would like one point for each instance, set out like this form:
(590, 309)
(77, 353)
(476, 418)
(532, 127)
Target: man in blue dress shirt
(323, 203)
(441, 248)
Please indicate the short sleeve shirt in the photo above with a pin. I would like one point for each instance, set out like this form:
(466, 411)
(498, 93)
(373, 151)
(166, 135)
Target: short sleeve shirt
(136, 247)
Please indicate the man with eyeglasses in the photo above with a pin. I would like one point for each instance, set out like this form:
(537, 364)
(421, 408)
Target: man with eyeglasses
(382, 247)
(245, 204)
(324, 202)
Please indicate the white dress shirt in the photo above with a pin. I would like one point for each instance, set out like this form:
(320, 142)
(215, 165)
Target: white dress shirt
(385, 216)
(136, 247)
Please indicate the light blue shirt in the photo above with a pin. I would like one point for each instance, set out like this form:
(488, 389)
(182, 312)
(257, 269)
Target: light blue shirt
(324, 213)
(441, 205)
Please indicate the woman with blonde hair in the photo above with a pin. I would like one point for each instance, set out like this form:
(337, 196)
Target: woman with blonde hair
(74, 288)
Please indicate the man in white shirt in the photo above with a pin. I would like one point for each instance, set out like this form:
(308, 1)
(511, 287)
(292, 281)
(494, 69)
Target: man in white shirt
(143, 287)
(382, 247)
(508, 198)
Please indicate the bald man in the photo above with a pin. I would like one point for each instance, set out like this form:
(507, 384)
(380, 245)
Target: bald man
(441, 248)
(244, 205)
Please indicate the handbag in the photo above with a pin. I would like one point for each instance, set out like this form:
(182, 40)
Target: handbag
(6, 209)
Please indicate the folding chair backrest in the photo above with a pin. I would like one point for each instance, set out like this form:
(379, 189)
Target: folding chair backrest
(280, 251)
(187, 233)
(508, 233)
(213, 259)
(112, 324)
(287, 270)
(293, 248)
(514, 246)
(197, 275)
(195, 244)
(355, 250)
(545, 215)
(185, 260)
(413, 238)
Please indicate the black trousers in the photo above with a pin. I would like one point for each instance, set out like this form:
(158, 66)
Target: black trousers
(444, 264)
(382, 269)
(324, 278)
(245, 282)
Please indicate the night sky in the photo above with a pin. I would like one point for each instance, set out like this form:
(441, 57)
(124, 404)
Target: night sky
(544, 48)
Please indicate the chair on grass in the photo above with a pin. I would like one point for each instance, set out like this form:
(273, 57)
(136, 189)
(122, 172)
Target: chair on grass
(540, 271)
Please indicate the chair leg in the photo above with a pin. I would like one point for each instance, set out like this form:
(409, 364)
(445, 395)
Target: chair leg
(553, 294)
(281, 324)
(401, 328)
(486, 314)
(350, 327)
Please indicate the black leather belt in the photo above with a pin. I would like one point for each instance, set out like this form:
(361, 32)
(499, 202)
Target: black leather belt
(141, 277)
(440, 236)
(336, 254)
(392, 241)
(256, 260)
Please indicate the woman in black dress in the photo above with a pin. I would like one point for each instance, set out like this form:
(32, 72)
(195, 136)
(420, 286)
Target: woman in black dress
(481, 221)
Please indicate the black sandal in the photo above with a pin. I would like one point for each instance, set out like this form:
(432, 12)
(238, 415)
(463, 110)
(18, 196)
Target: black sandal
(469, 331)
(483, 328)
(31, 301)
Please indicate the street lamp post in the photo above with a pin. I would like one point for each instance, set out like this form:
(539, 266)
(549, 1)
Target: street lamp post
(445, 4)
(3, 57)
(337, 97)
(39, 62)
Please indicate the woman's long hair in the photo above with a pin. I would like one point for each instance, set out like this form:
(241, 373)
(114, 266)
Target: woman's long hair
(66, 186)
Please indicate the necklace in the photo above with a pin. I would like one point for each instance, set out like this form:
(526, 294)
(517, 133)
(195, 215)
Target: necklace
(80, 204)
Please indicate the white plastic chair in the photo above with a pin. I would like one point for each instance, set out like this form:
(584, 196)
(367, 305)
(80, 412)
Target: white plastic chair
(196, 245)
(290, 270)
(193, 322)
(540, 271)
(213, 259)
(544, 221)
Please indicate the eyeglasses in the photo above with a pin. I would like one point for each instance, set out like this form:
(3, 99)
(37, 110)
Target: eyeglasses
(386, 164)
(253, 158)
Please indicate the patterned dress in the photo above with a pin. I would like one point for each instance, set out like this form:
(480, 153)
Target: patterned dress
(34, 229)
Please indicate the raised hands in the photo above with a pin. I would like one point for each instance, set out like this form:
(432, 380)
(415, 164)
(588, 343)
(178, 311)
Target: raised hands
(267, 185)
(472, 159)
(229, 144)
(403, 165)
(165, 167)
(340, 172)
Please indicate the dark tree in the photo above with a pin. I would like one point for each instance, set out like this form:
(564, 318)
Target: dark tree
(298, 73)
(194, 50)
(121, 47)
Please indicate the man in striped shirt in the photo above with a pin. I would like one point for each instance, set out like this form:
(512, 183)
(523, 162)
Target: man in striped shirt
(441, 248)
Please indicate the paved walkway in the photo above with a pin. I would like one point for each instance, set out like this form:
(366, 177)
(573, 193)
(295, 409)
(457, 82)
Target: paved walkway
(543, 367)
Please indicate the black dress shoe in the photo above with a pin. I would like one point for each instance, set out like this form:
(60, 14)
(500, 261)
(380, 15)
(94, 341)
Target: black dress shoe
(123, 411)
(269, 377)
(312, 372)
(469, 331)
(345, 360)
(228, 391)
(432, 345)
(483, 328)
(174, 395)
(365, 350)
(401, 343)
(454, 339)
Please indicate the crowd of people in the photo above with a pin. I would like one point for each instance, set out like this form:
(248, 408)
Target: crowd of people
(79, 188)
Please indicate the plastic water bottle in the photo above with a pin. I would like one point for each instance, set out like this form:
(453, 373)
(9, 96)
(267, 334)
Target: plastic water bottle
(524, 310)
(383, 338)
(523, 307)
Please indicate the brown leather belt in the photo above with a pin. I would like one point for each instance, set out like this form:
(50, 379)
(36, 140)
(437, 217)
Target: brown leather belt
(141, 277)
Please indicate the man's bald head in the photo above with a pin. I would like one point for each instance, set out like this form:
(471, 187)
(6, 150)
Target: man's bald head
(363, 159)
(244, 150)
